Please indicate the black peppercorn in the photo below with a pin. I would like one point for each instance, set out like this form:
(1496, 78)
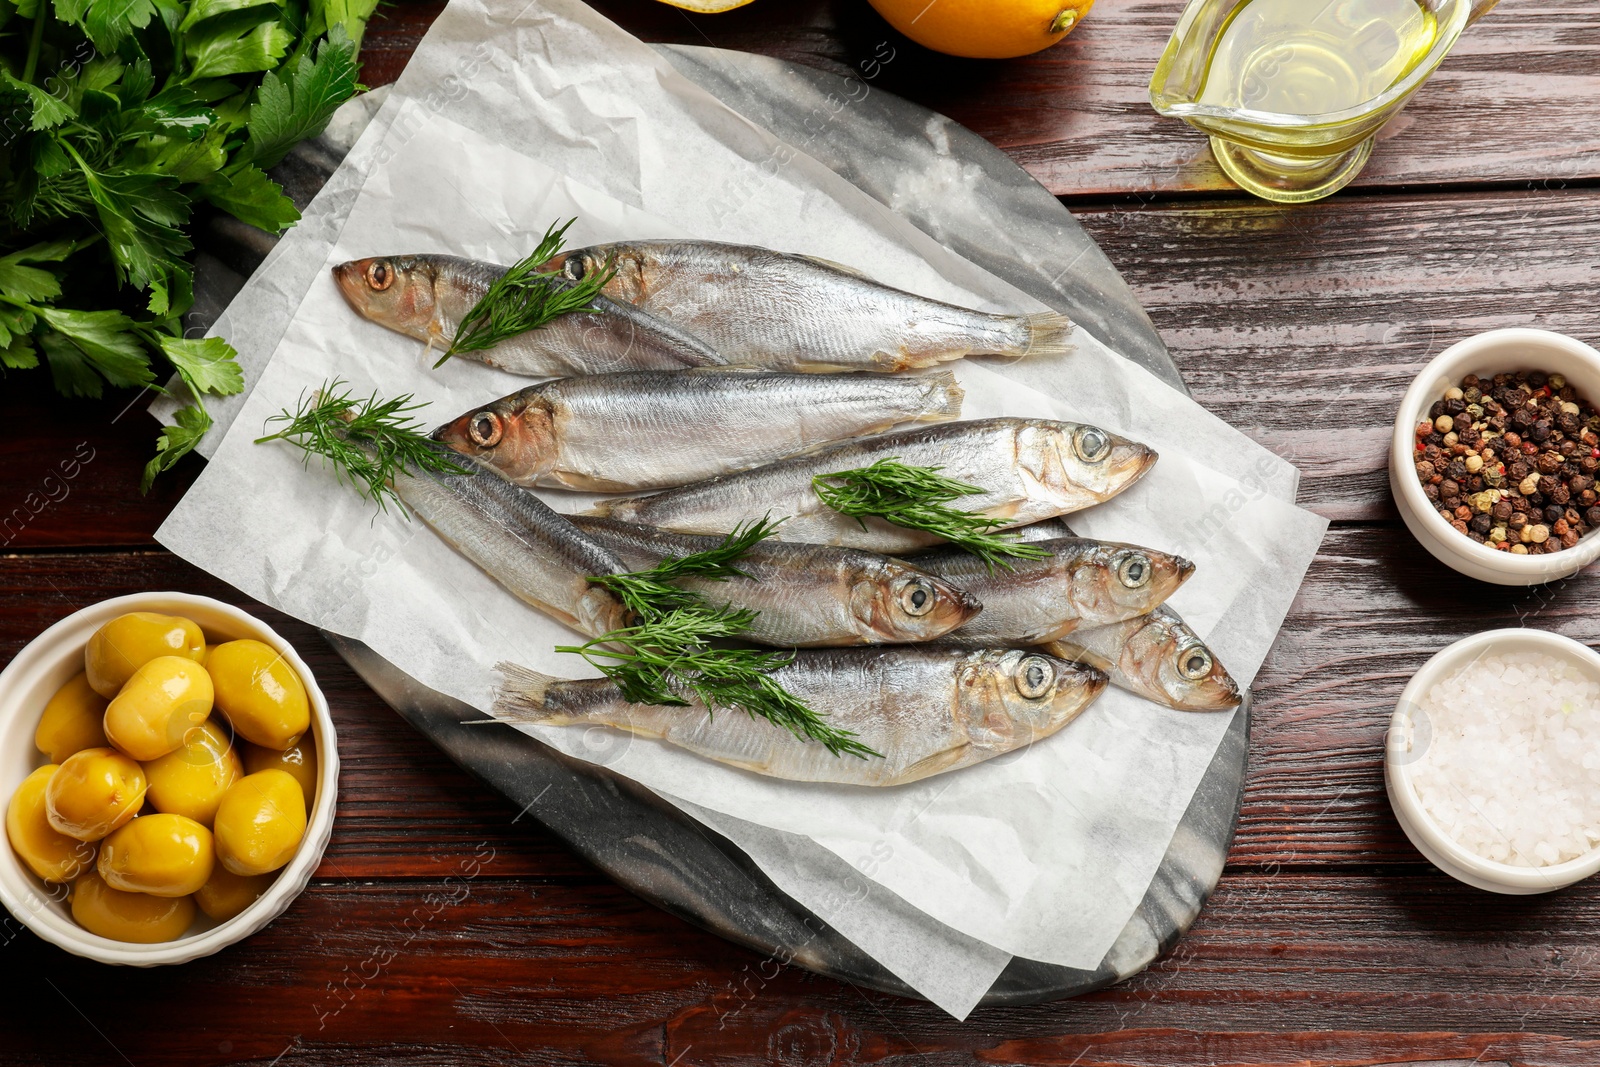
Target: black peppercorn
(1481, 523)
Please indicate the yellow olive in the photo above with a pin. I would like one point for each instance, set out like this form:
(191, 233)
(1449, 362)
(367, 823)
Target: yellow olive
(163, 855)
(300, 761)
(50, 854)
(226, 894)
(93, 792)
(259, 693)
(260, 822)
(163, 700)
(128, 642)
(71, 721)
(191, 780)
(124, 916)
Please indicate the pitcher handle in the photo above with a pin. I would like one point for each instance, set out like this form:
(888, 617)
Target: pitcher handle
(1480, 8)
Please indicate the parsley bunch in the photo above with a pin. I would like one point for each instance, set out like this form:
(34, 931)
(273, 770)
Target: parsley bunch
(116, 118)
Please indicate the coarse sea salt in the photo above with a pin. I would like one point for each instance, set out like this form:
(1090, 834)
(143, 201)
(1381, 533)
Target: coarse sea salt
(1506, 758)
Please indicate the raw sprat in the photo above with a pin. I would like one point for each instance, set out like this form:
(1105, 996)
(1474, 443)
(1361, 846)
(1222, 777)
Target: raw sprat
(654, 429)
(780, 311)
(1029, 469)
(520, 318)
(805, 595)
(924, 710)
(1073, 582)
(1158, 657)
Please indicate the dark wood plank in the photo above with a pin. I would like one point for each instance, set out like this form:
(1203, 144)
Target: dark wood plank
(1511, 104)
(1282, 969)
(1304, 327)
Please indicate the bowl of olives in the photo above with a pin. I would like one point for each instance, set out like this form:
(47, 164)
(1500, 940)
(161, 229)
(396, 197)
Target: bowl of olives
(169, 770)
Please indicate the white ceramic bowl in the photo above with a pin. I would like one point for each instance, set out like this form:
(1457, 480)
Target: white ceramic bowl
(1487, 354)
(41, 668)
(1408, 733)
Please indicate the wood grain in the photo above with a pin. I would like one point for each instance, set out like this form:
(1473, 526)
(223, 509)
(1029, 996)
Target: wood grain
(1330, 941)
(1511, 105)
(1281, 969)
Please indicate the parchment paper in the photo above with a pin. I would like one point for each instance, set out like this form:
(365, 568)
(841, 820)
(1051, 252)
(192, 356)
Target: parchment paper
(1044, 853)
(558, 82)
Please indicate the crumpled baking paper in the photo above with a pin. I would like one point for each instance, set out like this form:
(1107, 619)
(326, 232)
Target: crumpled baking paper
(1044, 853)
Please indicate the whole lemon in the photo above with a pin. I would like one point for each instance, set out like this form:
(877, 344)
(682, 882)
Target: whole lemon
(984, 29)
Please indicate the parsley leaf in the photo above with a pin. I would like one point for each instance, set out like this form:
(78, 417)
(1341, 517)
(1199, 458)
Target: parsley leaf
(205, 363)
(288, 111)
(108, 21)
(225, 50)
(106, 339)
(47, 110)
(250, 196)
(176, 441)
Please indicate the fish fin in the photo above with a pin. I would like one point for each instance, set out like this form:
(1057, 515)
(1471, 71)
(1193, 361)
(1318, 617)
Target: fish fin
(1049, 334)
(944, 397)
(520, 695)
(840, 267)
(937, 763)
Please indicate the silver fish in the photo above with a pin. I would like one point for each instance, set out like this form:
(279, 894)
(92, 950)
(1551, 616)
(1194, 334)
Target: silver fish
(652, 429)
(806, 595)
(790, 312)
(1159, 658)
(535, 553)
(1080, 583)
(1030, 469)
(427, 296)
(925, 710)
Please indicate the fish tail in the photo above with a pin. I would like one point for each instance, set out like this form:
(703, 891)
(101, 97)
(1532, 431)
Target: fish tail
(520, 696)
(943, 398)
(1049, 334)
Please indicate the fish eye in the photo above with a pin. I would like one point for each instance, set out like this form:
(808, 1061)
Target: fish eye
(576, 267)
(1194, 662)
(916, 597)
(379, 275)
(484, 429)
(1035, 675)
(1092, 444)
(1134, 571)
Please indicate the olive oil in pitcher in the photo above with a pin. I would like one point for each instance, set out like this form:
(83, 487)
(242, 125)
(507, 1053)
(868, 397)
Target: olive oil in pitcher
(1297, 58)
(1292, 92)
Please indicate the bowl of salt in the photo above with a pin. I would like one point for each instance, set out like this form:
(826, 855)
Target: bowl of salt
(1492, 761)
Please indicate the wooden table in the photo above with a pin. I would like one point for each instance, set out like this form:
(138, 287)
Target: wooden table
(1329, 940)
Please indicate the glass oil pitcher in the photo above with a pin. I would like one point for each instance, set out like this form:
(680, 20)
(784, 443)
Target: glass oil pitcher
(1292, 92)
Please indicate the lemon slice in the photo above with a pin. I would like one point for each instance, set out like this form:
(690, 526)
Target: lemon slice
(706, 7)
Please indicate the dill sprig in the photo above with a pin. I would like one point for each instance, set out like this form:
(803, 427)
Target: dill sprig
(668, 659)
(918, 498)
(650, 593)
(525, 298)
(367, 442)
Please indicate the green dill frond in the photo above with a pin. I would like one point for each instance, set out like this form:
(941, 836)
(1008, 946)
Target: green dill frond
(650, 593)
(368, 442)
(669, 659)
(918, 498)
(525, 298)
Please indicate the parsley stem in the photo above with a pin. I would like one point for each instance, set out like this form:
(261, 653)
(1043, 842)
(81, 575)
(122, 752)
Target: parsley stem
(31, 67)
